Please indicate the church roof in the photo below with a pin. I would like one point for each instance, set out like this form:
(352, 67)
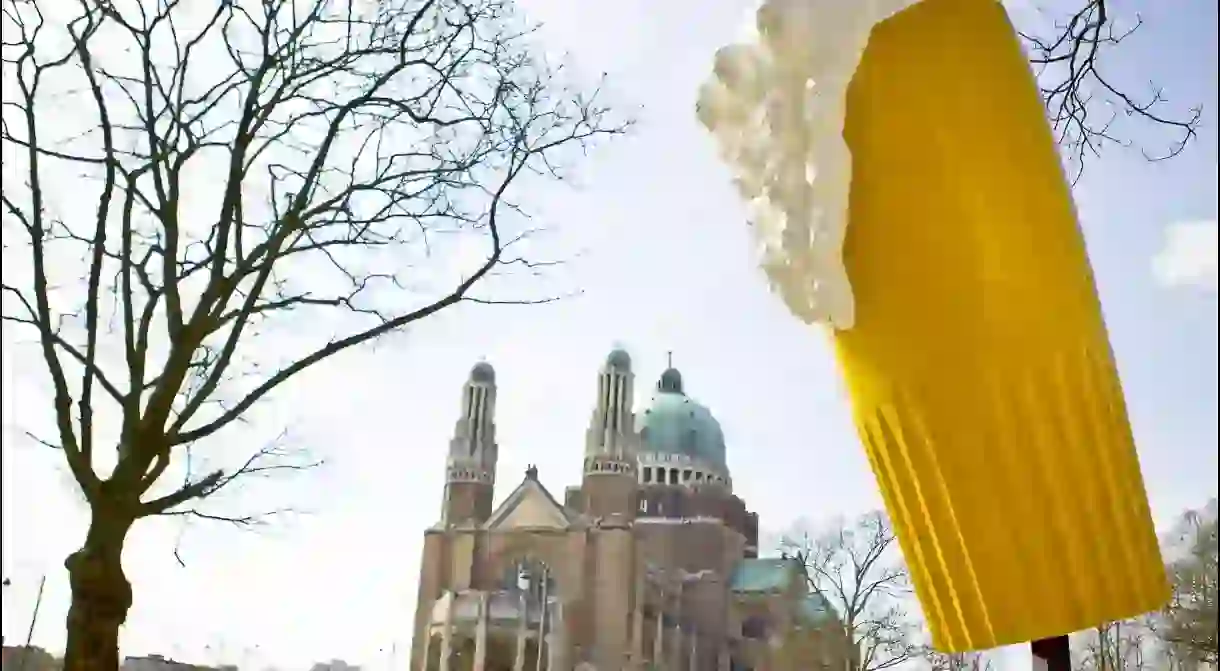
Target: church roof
(530, 505)
(761, 576)
(814, 608)
(778, 575)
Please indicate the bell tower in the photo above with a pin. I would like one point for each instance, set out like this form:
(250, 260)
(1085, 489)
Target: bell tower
(470, 470)
(610, 480)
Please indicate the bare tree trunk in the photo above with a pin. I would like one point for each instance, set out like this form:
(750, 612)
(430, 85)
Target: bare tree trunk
(101, 594)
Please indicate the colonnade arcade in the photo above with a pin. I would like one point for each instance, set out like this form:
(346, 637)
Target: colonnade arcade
(664, 634)
(509, 629)
(520, 628)
(483, 631)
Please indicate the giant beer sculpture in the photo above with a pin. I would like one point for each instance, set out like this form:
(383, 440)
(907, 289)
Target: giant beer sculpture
(906, 190)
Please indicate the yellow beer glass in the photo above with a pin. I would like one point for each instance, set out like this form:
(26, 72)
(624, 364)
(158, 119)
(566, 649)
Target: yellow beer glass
(942, 244)
(982, 379)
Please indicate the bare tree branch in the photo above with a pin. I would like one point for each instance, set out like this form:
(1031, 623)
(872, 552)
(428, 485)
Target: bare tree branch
(858, 570)
(269, 460)
(1084, 103)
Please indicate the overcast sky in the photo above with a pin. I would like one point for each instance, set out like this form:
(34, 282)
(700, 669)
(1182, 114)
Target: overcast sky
(661, 253)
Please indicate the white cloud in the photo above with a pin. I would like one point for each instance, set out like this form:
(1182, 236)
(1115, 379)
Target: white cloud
(1188, 256)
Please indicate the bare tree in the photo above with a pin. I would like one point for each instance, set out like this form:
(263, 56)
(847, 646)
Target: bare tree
(238, 169)
(1084, 102)
(858, 568)
(1126, 645)
(1188, 624)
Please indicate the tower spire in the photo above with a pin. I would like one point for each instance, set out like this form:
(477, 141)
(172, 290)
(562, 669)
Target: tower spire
(612, 425)
(610, 469)
(470, 471)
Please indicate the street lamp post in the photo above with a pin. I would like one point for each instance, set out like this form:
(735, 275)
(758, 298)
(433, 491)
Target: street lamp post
(29, 637)
(6, 583)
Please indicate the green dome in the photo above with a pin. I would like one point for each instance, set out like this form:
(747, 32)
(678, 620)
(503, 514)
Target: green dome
(676, 424)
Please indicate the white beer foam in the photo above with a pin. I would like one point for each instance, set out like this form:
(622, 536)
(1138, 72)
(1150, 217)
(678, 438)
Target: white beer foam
(776, 104)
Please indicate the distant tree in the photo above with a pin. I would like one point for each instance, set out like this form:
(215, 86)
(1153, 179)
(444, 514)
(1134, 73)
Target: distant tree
(969, 661)
(1188, 624)
(245, 166)
(1084, 102)
(1182, 637)
(858, 568)
(1127, 645)
(29, 658)
(334, 665)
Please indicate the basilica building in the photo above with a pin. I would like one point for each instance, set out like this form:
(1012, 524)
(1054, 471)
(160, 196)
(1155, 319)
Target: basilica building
(651, 562)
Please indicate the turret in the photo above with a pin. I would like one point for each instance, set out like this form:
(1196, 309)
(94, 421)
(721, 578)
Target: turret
(470, 470)
(610, 481)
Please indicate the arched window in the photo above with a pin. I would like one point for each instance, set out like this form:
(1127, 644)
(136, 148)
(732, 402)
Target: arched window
(755, 627)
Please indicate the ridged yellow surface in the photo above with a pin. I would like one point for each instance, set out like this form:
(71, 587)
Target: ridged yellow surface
(982, 378)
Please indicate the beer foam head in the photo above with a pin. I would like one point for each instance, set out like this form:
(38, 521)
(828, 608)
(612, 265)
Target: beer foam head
(775, 103)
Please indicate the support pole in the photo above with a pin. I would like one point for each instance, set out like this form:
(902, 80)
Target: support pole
(679, 630)
(693, 664)
(556, 646)
(427, 645)
(447, 634)
(522, 628)
(637, 622)
(658, 645)
(542, 620)
(675, 653)
(1051, 654)
(480, 636)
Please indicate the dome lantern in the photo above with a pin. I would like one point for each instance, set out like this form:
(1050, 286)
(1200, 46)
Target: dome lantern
(670, 382)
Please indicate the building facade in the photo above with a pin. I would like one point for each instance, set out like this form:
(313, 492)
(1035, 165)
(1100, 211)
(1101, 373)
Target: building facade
(651, 562)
